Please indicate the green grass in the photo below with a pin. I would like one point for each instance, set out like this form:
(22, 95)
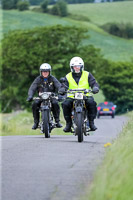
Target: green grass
(14, 19)
(113, 180)
(113, 48)
(20, 123)
(101, 13)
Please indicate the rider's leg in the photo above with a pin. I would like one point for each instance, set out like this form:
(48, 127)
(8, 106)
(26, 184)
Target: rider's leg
(56, 113)
(67, 107)
(92, 111)
(35, 110)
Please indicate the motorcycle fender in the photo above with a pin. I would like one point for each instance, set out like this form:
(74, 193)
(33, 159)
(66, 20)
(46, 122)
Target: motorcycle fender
(44, 108)
(78, 109)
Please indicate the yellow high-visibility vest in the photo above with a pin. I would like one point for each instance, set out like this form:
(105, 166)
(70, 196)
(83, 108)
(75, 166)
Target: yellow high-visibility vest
(83, 82)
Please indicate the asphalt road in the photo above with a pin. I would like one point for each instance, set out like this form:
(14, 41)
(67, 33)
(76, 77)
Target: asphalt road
(58, 168)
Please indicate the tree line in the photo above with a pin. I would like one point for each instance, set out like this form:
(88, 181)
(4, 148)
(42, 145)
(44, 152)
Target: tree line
(24, 51)
(59, 8)
(12, 4)
(124, 30)
(37, 2)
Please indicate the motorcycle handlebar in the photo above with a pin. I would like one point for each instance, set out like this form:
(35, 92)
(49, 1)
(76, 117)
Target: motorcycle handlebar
(79, 90)
(52, 94)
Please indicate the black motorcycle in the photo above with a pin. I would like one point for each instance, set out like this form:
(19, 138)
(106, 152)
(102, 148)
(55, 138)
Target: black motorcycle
(46, 124)
(79, 113)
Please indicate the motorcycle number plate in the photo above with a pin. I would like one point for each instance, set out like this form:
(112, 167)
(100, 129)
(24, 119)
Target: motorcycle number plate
(78, 96)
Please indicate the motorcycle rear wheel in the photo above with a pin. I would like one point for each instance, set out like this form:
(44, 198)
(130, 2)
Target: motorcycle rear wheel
(79, 128)
(45, 120)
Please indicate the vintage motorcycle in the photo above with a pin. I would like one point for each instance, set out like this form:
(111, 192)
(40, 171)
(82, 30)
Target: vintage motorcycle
(80, 126)
(47, 123)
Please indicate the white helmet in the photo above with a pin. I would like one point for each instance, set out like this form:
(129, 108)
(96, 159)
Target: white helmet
(45, 67)
(76, 61)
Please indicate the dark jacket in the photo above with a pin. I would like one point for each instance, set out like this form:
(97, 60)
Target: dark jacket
(91, 80)
(41, 84)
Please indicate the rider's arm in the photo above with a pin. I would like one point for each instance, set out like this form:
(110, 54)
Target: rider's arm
(92, 81)
(34, 86)
(65, 82)
(57, 84)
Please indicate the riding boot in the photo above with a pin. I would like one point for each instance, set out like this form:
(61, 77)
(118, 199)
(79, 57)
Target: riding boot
(58, 124)
(68, 124)
(92, 125)
(35, 126)
(36, 119)
(56, 114)
(56, 117)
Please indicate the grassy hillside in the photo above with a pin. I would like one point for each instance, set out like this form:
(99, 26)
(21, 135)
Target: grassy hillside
(112, 47)
(13, 19)
(101, 13)
(113, 180)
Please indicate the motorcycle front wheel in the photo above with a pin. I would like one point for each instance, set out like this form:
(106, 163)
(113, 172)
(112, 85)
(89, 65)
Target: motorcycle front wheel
(45, 123)
(79, 129)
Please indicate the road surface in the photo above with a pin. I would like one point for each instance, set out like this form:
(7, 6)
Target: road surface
(58, 168)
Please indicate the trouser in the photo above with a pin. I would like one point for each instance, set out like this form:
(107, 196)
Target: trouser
(90, 105)
(55, 109)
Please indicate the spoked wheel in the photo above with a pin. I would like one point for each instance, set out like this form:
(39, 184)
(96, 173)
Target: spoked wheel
(79, 129)
(45, 120)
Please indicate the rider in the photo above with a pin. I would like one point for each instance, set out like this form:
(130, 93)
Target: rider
(79, 79)
(44, 83)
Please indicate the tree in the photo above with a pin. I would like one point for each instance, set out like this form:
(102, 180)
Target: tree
(116, 81)
(44, 5)
(35, 2)
(24, 51)
(23, 5)
(9, 4)
(60, 8)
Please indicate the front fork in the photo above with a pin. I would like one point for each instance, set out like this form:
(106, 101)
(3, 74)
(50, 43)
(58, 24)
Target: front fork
(85, 123)
(51, 122)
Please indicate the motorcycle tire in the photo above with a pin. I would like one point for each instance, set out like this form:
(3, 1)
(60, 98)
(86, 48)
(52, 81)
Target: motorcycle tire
(45, 120)
(79, 128)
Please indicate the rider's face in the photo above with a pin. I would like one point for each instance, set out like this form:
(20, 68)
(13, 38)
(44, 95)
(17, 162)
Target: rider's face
(76, 69)
(45, 74)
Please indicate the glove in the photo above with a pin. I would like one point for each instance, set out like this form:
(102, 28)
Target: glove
(62, 90)
(29, 99)
(95, 90)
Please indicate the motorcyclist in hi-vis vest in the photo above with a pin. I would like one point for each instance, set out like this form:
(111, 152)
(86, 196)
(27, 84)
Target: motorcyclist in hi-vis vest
(79, 79)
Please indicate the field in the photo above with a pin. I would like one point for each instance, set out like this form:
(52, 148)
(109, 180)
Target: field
(101, 13)
(113, 48)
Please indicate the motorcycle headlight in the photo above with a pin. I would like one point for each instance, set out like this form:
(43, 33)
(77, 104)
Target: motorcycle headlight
(45, 96)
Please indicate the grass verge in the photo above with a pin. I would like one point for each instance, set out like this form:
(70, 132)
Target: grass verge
(20, 123)
(113, 180)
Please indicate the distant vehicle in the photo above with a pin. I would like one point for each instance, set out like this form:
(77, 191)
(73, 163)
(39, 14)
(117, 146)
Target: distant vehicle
(106, 108)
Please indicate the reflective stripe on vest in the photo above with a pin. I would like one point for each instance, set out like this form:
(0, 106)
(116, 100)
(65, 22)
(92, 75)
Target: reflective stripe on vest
(83, 83)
